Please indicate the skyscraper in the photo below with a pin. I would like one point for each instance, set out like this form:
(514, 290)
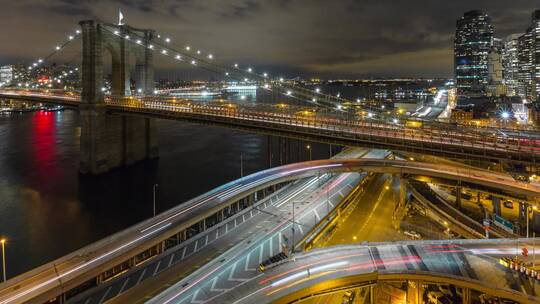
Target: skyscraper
(510, 61)
(472, 44)
(535, 54)
(525, 63)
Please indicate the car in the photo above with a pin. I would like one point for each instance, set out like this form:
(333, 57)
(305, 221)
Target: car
(413, 234)
(508, 204)
(348, 297)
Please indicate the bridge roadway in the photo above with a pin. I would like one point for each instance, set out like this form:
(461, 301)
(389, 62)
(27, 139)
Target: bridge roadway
(69, 271)
(472, 264)
(428, 138)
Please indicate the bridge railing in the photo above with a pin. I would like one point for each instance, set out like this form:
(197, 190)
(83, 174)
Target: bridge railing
(343, 125)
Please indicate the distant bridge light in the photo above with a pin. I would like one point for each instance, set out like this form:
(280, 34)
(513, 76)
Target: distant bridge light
(167, 40)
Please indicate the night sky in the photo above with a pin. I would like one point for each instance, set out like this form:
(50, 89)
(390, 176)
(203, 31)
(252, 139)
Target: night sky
(326, 38)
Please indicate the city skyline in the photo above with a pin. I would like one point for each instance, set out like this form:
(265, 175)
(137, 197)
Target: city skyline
(373, 39)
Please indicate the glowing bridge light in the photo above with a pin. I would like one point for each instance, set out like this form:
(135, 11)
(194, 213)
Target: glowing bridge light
(167, 39)
(188, 48)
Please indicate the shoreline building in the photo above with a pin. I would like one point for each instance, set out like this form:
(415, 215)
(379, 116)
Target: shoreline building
(472, 45)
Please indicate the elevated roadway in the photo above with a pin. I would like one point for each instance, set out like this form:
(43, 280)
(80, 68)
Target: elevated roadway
(68, 272)
(469, 264)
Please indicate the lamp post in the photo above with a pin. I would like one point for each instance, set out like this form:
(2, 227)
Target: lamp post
(3, 242)
(154, 192)
(309, 149)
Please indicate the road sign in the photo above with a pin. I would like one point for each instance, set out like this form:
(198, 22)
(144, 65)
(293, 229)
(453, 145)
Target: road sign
(503, 223)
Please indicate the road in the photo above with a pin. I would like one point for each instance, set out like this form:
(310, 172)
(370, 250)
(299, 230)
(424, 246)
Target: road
(274, 236)
(474, 263)
(371, 218)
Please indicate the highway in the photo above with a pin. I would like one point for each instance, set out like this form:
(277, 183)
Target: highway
(274, 236)
(467, 263)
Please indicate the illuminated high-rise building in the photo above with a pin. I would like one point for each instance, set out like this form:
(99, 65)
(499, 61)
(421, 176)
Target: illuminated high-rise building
(472, 44)
(510, 61)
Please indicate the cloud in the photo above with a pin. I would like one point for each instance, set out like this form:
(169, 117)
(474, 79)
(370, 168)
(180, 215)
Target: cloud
(295, 36)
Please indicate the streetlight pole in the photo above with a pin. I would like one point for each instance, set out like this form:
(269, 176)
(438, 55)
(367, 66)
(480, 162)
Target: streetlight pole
(292, 242)
(309, 149)
(3, 242)
(154, 192)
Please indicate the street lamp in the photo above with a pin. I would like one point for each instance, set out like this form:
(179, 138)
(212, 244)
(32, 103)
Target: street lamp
(154, 192)
(3, 242)
(309, 149)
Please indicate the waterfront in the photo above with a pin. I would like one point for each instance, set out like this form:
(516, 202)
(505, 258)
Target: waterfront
(48, 210)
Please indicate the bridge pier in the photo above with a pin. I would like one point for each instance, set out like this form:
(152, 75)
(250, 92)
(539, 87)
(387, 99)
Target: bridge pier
(107, 140)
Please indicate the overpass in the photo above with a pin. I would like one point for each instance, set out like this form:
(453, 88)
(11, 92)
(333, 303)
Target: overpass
(472, 265)
(445, 140)
(157, 237)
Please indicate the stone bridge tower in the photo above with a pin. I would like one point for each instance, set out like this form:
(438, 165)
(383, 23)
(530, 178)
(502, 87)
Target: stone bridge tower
(110, 140)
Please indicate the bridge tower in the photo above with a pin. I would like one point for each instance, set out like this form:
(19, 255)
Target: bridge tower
(111, 140)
